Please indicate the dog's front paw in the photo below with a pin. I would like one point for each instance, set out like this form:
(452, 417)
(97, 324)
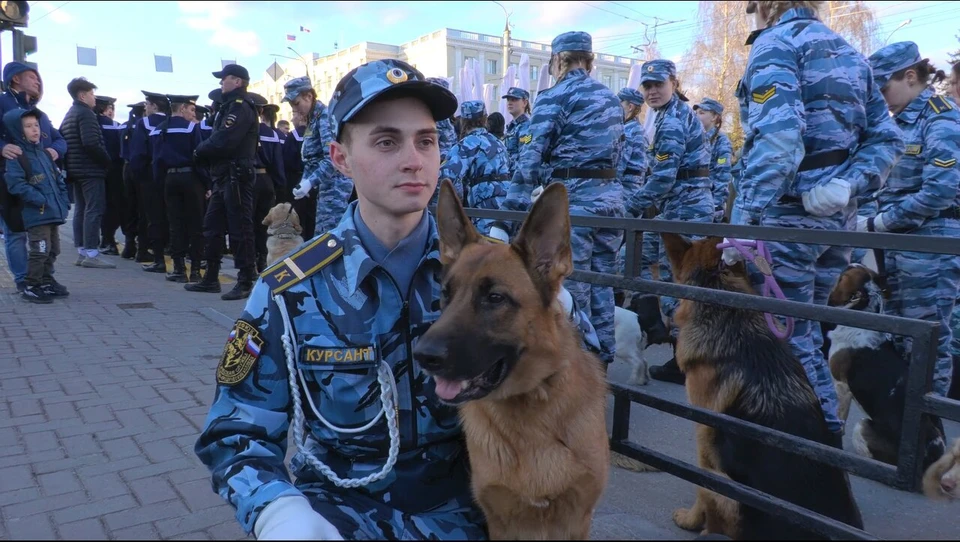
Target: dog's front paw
(688, 519)
(641, 375)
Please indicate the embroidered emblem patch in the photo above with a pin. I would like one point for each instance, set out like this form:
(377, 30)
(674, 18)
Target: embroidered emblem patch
(721, 161)
(662, 157)
(231, 118)
(239, 354)
(914, 150)
(526, 139)
(945, 163)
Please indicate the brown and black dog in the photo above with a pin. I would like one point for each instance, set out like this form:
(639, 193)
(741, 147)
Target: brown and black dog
(736, 366)
(532, 402)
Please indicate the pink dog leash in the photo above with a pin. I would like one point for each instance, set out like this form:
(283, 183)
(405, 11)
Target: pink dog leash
(763, 262)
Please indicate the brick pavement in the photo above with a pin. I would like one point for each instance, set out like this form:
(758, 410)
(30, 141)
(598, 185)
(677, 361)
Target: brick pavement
(102, 396)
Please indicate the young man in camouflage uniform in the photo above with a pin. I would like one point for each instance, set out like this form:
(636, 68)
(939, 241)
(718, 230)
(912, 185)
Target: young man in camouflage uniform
(378, 456)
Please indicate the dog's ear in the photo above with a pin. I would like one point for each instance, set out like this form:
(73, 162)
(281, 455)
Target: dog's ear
(455, 229)
(676, 247)
(267, 220)
(544, 238)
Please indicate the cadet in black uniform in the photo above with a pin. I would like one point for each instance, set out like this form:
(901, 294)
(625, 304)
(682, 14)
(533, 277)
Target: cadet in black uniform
(135, 225)
(112, 216)
(172, 144)
(269, 170)
(151, 189)
(230, 152)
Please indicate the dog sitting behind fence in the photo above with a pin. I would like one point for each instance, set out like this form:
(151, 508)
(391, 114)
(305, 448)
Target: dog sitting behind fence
(867, 366)
(735, 365)
(942, 480)
(283, 231)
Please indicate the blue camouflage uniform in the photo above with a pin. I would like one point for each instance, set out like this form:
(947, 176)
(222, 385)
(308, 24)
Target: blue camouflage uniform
(333, 188)
(477, 166)
(811, 113)
(446, 133)
(632, 168)
(921, 197)
(678, 183)
(518, 130)
(351, 312)
(576, 132)
(866, 208)
(721, 159)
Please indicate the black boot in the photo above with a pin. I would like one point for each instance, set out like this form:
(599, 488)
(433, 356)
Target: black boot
(241, 290)
(179, 273)
(110, 248)
(194, 271)
(143, 254)
(210, 282)
(159, 265)
(647, 308)
(129, 250)
(668, 372)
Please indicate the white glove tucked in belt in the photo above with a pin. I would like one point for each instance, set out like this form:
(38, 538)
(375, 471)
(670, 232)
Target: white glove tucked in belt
(827, 199)
(302, 189)
(292, 518)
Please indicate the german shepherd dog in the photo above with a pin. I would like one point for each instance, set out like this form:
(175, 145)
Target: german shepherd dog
(867, 367)
(532, 401)
(736, 366)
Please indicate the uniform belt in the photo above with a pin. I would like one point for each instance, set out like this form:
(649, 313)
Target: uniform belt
(824, 159)
(261, 170)
(489, 178)
(685, 174)
(950, 212)
(629, 171)
(180, 170)
(578, 173)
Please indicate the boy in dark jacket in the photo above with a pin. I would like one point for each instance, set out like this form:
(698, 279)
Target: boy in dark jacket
(36, 180)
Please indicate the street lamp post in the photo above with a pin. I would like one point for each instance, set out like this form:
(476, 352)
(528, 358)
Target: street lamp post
(305, 65)
(903, 24)
(506, 40)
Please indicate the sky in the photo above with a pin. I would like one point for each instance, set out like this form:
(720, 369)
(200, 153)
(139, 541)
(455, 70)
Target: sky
(198, 35)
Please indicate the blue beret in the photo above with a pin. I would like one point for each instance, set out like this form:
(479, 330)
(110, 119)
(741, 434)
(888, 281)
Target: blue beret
(709, 104)
(657, 70)
(630, 95)
(473, 109)
(375, 79)
(295, 87)
(893, 58)
(572, 41)
(516, 92)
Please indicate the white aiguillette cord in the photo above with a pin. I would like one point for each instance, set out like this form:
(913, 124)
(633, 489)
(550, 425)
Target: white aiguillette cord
(388, 400)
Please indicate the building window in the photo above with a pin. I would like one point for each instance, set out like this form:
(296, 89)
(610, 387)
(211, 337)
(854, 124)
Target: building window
(534, 73)
(469, 58)
(623, 82)
(608, 81)
(492, 66)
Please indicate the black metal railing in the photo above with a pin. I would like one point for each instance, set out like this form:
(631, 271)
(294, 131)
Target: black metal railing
(919, 399)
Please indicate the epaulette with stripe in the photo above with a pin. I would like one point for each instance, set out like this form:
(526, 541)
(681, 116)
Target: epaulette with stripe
(302, 264)
(939, 104)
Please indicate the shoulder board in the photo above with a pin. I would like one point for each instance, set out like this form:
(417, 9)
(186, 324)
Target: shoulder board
(939, 104)
(300, 265)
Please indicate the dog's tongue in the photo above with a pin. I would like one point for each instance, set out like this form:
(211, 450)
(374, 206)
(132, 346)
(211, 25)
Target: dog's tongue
(447, 389)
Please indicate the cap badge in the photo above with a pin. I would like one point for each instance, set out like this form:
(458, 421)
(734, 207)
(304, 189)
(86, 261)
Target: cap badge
(396, 75)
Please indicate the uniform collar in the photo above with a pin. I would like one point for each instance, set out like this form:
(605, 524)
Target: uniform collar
(357, 262)
(519, 120)
(577, 73)
(789, 15)
(476, 130)
(673, 101)
(911, 113)
(318, 109)
(710, 133)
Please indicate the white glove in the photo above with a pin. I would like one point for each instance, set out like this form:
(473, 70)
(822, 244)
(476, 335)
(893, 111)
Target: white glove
(730, 254)
(827, 199)
(566, 300)
(302, 189)
(499, 234)
(292, 518)
(878, 225)
(535, 194)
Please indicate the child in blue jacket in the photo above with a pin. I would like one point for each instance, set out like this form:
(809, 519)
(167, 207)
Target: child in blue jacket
(40, 185)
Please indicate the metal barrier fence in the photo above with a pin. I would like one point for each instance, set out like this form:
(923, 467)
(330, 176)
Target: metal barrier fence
(919, 399)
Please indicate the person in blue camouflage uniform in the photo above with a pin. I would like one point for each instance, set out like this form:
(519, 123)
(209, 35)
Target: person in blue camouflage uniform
(576, 134)
(921, 195)
(818, 136)
(518, 130)
(477, 165)
(334, 189)
(378, 455)
(632, 168)
(710, 113)
(445, 129)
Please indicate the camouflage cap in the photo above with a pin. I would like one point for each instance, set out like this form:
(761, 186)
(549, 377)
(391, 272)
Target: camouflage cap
(516, 92)
(572, 41)
(893, 58)
(709, 104)
(473, 109)
(658, 70)
(382, 77)
(296, 87)
(630, 95)
(439, 81)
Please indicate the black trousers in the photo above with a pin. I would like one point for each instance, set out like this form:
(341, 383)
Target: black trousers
(230, 208)
(153, 207)
(185, 194)
(306, 209)
(113, 214)
(264, 198)
(134, 224)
